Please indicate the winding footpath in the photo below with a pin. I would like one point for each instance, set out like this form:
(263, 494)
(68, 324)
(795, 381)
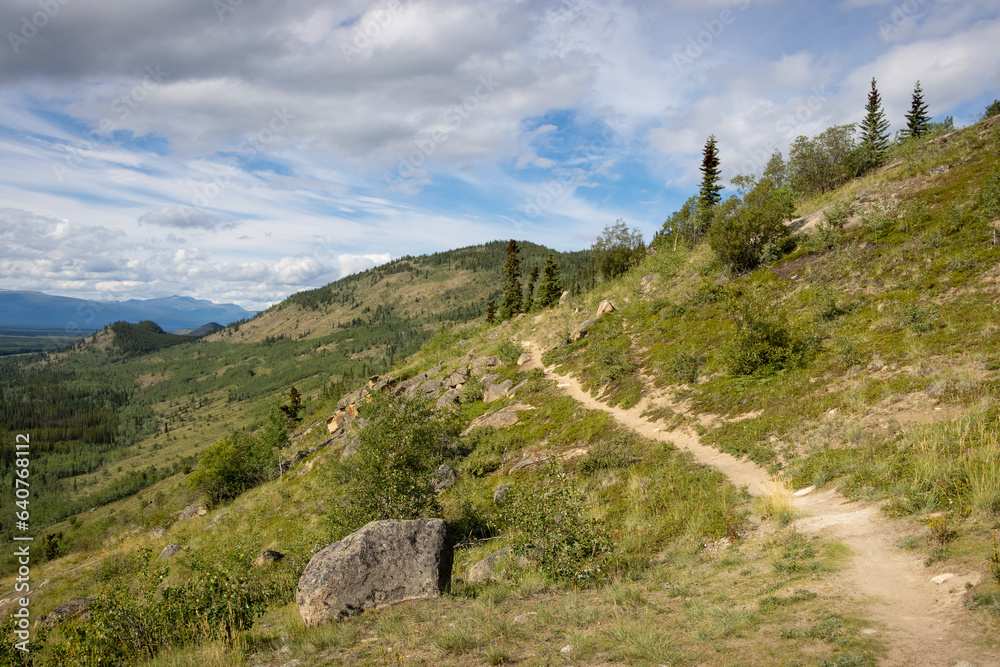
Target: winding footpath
(924, 622)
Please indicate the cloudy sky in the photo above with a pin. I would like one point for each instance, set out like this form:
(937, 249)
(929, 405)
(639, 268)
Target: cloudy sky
(242, 150)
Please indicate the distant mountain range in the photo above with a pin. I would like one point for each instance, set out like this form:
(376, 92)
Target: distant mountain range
(37, 310)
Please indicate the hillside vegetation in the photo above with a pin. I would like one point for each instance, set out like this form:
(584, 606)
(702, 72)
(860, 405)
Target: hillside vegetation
(862, 353)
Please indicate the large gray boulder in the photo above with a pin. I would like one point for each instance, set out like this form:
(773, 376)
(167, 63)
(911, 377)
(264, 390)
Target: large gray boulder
(382, 563)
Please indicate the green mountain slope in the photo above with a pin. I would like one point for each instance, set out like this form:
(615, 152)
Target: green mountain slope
(865, 359)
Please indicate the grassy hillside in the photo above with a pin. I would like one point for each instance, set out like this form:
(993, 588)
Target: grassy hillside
(865, 358)
(410, 293)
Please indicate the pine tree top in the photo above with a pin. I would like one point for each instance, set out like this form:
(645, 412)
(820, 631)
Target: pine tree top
(710, 187)
(917, 121)
(875, 127)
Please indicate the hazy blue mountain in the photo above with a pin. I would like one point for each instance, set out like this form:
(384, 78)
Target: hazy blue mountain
(37, 310)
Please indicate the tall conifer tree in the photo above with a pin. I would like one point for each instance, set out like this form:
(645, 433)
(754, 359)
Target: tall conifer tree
(529, 298)
(549, 290)
(917, 120)
(511, 305)
(710, 188)
(875, 127)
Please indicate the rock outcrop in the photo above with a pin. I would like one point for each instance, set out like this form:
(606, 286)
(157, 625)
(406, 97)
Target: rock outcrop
(382, 563)
(267, 557)
(502, 418)
(484, 569)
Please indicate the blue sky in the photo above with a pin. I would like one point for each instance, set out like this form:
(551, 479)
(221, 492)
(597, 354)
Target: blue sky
(242, 151)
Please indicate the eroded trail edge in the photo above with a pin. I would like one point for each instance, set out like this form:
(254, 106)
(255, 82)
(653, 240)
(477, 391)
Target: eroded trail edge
(924, 621)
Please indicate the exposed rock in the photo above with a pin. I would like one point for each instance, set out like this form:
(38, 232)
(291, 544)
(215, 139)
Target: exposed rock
(524, 359)
(581, 330)
(190, 512)
(502, 418)
(461, 376)
(941, 578)
(804, 492)
(431, 388)
(350, 449)
(808, 223)
(168, 551)
(409, 387)
(443, 478)
(940, 169)
(216, 518)
(449, 398)
(500, 493)
(483, 570)
(267, 557)
(68, 609)
(605, 307)
(490, 379)
(516, 387)
(479, 366)
(564, 298)
(299, 455)
(349, 399)
(531, 459)
(866, 197)
(156, 533)
(382, 563)
(496, 391)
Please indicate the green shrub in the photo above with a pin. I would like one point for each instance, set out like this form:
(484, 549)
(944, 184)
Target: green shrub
(135, 619)
(546, 521)
(988, 199)
(838, 214)
(877, 219)
(744, 227)
(618, 249)
(240, 462)
(612, 453)
(509, 352)
(401, 444)
(685, 367)
(764, 341)
(473, 390)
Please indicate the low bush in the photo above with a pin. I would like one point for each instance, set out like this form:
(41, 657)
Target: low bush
(240, 462)
(764, 340)
(401, 444)
(546, 521)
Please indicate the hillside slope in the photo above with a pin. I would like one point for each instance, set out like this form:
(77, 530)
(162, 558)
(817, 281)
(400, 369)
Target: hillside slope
(426, 291)
(864, 363)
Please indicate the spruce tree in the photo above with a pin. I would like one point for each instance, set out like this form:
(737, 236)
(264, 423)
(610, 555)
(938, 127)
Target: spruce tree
(875, 127)
(530, 297)
(710, 188)
(491, 312)
(917, 120)
(511, 305)
(549, 290)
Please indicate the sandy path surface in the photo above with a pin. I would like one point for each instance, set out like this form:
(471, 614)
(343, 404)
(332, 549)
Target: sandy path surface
(924, 622)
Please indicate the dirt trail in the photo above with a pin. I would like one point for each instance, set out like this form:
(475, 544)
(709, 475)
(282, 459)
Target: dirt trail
(925, 623)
